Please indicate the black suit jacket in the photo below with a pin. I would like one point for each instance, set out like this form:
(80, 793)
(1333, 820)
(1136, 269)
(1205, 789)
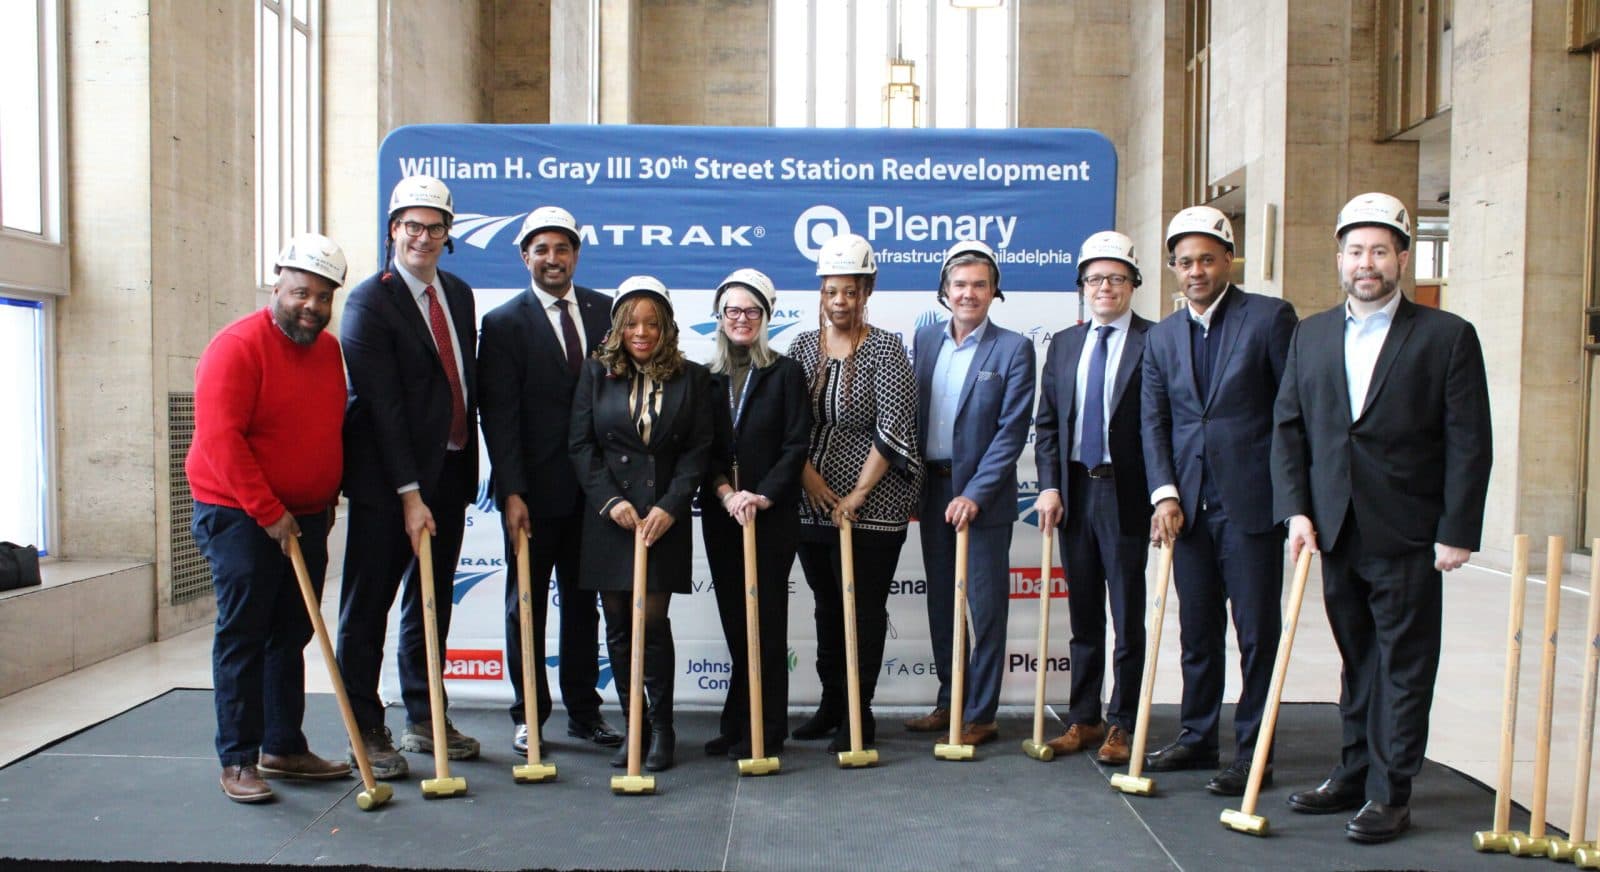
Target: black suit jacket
(526, 401)
(1229, 430)
(612, 461)
(397, 423)
(770, 442)
(1414, 464)
(1057, 416)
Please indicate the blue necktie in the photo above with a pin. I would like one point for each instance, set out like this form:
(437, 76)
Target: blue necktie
(1093, 447)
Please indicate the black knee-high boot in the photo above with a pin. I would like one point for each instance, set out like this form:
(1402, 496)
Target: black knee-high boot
(660, 666)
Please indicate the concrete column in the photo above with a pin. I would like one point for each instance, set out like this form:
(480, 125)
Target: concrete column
(571, 54)
(1518, 141)
(1151, 174)
(619, 61)
(702, 62)
(520, 79)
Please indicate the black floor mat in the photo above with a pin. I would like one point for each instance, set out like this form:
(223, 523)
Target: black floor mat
(142, 788)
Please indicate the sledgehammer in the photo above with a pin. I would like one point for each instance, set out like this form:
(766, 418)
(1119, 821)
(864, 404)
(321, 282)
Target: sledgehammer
(372, 794)
(1134, 781)
(1036, 747)
(1498, 839)
(535, 770)
(758, 763)
(1244, 819)
(856, 757)
(633, 782)
(441, 785)
(954, 749)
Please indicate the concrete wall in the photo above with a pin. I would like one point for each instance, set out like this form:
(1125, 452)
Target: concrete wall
(571, 53)
(519, 78)
(703, 62)
(1150, 182)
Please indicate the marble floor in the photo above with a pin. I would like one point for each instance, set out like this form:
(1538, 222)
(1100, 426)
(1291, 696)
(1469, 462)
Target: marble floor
(1466, 712)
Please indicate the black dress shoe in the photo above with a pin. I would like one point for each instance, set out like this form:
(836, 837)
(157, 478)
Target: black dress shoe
(719, 746)
(1233, 780)
(820, 725)
(1376, 822)
(596, 731)
(663, 748)
(1328, 797)
(1180, 756)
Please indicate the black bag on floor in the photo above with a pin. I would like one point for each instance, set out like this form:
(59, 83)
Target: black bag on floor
(19, 566)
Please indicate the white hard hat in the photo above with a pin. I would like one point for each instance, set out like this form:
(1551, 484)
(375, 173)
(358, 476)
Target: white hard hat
(633, 286)
(1200, 219)
(1109, 245)
(756, 281)
(846, 255)
(970, 247)
(424, 191)
(314, 253)
(1376, 209)
(549, 218)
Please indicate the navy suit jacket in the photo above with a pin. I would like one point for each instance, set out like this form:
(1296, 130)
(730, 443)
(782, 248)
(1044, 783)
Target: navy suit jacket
(397, 423)
(1227, 432)
(1058, 416)
(526, 400)
(992, 418)
(1414, 464)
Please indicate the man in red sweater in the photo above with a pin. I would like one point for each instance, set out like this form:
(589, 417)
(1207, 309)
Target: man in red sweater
(264, 468)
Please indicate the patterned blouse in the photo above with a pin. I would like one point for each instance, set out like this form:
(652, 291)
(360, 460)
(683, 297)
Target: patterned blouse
(878, 407)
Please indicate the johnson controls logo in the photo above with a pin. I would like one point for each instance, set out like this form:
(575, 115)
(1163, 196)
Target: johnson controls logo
(815, 227)
(710, 674)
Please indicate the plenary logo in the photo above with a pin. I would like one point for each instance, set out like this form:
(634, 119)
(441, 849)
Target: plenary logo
(602, 681)
(474, 664)
(781, 320)
(1025, 582)
(815, 227)
(908, 587)
(1021, 662)
(709, 674)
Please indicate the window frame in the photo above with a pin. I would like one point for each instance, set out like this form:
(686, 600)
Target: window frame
(285, 76)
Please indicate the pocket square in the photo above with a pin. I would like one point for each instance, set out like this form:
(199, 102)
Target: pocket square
(986, 374)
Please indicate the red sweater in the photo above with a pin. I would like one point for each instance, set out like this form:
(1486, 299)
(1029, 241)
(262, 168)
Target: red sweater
(267, 420)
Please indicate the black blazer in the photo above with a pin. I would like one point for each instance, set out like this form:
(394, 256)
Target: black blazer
(1414, 464)
(397, 423)
(612, 461)
(1057, 416)
(526, 400)
(769, 444)
(1231, 426)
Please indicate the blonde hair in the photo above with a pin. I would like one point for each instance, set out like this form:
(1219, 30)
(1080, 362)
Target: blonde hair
(761, 353)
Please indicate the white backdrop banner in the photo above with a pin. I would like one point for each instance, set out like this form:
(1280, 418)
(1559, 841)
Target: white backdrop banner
(691, 204)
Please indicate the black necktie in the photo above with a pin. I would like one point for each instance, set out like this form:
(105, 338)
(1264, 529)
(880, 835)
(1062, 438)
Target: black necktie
(1093, 447)
(569, 337)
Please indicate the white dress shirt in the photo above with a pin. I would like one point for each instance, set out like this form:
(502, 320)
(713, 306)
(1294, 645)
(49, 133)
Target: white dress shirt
(548, 302)
(1114, 346)
(1363, 339)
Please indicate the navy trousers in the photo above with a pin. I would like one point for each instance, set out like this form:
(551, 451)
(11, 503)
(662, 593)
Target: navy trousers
(1103, 566)
(257, 660)
(988, 601)
(1217, 566)
(553, 547)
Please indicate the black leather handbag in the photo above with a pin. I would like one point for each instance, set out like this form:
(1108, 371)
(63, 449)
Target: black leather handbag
(19, 566)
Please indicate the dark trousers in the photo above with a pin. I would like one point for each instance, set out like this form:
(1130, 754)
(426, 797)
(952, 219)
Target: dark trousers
(660, 656)
(988, 601)
(1385, 613)
(257, 660)
(1217, 566)
(378, 562)
(1103, 566)
(775, 552)
(553, 547)
(876, 556)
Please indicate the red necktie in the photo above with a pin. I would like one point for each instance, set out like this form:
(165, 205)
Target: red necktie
(447, 356)
(569, 337)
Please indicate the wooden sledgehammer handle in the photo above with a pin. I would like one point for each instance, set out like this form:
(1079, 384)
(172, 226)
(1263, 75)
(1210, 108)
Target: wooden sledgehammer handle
(430, 634)
(1280, 674)
(752, 635)
(1141, 726)
(1508, 706)
(1044, 637)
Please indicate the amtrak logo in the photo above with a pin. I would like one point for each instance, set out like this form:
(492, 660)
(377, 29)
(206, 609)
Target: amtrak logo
(815, 227)
(484, 501)
(605, 677)
(930, 317)
(466, 581)
(479, 230)
(1027, 497)
(780, 321)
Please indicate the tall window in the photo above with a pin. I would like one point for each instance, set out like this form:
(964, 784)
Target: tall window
(33, 261)
(288, 113)
(831, 62)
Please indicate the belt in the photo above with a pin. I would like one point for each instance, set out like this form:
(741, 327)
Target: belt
(1101, 471)
(938, 468)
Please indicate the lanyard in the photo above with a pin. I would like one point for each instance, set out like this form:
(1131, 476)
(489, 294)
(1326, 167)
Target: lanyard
(738, 404)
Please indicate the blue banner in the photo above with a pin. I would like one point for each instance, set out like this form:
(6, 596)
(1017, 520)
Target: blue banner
(691, 204)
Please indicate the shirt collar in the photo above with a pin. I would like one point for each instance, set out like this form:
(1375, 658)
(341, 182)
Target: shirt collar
(1387, 311)
(415, 285)
(972, 338)
(1123, 322)
(546, 299)
(1204, 320)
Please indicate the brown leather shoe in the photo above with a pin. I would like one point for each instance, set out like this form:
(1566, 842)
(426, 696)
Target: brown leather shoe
(243, 784)
(979, 734)
(1077, 737)
(305, 766)
(932, 722)
(1115, 751)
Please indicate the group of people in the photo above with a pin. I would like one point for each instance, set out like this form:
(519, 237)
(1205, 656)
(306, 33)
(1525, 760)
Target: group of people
(1369, 421)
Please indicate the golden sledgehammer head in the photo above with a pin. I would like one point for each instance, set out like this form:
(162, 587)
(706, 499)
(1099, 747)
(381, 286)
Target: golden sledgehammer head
(533, 773)
(1254, 824)
(633, 784)
(367, 800)
(442, 788)
(1038, 750)
(1140, 786)
(758, 765)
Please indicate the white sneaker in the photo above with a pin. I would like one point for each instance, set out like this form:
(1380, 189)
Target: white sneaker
(519, 740)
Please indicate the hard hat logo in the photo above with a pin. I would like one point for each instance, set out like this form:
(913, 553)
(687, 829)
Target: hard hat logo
(760, 285)
(424, 192)
(845, 255)
(1200, 219)
(1376, 209)
(549, 218)
(633, 286)
(314, 253)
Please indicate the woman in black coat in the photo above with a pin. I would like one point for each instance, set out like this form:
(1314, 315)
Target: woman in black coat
(640, 440)
(763, 425)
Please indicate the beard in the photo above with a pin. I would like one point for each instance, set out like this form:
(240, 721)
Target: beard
(1385, 288)
(297, 332)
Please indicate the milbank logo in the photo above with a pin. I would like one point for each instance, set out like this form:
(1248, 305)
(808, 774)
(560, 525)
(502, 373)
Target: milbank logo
(815, 227)
(479, 231)
(1025, 582)
(474, 664)
(1030, 663)
(709, 674)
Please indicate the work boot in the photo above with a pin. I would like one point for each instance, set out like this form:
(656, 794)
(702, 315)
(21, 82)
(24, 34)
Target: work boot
(305, 765)
(386, 762)
(243, 784)
(418, 739)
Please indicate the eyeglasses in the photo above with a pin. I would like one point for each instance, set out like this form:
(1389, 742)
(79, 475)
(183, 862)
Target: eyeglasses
(1095, 281)
(734, 313)
(415, 228)
(1206, 261)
